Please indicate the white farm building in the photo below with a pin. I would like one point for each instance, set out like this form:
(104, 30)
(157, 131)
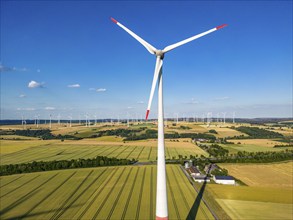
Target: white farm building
(227, 180)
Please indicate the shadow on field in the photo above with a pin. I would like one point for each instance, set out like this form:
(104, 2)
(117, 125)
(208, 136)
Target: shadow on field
(194, 209)
(18, 202)
(41, 213)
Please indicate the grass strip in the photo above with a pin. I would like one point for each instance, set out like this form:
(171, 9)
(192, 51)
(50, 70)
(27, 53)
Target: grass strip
(108, 195)
(59, 210)
(119, 194)
(140, 195)
(129, 196)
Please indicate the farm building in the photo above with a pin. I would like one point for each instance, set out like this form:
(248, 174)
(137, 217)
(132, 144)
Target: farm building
(188, 164)
(193, 171)
(201, 178)
(227, 180)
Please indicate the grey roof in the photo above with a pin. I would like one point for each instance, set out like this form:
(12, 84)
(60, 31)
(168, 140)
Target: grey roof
(201, 177)
(193, 169)
(224, 178)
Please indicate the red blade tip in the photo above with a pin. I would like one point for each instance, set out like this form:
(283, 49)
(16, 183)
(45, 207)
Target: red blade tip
(221, 26)
(114, 20)
(147, 114)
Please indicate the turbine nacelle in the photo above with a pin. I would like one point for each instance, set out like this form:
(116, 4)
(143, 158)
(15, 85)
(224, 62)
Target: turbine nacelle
(160, 53)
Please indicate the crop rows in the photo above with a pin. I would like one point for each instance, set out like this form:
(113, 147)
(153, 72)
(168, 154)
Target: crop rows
(49, 152)
(97, 193)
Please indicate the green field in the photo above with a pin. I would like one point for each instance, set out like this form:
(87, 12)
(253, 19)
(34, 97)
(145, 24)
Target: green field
(243, 202)
(96, 193)
(28, 151)
(234, 148)
(268, 196)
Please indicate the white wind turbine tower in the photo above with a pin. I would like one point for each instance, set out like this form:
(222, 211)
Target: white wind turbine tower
(38, 121)
(86, 120)
(161, 204)
(233, 117)
(59, 119)
(23, 122)
(224, 117)
(50, 125)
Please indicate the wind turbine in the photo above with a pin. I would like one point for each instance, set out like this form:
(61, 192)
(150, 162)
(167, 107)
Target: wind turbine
(50, 126)
(161, 205)
(224, 117)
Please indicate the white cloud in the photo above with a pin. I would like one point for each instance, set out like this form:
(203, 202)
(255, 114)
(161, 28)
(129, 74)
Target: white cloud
(12, 69)
(192, 101)
(222, 98)
(101, 90)
(49, 108)
(34, 84)
(140, 102)
(25, 109)
(22, 96)
(129, 107)
(74, 86)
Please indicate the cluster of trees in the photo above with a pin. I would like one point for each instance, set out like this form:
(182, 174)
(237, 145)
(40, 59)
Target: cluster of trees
(184, 127)
(138, 134)
(283, 145)
(118, 132)
(215, 150)
(213, 131)
(255, 132)
(44, 134)
(62, 164)
(220, 172)
(256, 157)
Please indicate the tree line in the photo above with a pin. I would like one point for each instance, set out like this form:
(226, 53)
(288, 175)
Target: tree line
(255, 132)
(138, 134)
(44, 134)
(38, 166)
(214, 150)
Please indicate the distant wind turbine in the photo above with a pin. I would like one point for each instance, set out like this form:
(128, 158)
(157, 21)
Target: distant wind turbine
(161, 204)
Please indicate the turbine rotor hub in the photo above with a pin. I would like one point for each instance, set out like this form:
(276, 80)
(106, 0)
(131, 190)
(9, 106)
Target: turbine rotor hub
(160, 53)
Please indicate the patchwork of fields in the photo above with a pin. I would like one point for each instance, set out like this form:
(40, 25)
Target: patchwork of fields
(97, 193)
(268, 196)
(89, 148)
(279, 175)
(251, 145)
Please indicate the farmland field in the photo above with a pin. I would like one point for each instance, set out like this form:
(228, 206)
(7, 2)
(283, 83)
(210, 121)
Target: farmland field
(268, 196)
(12, 146)
(253, 145)
(90, 148)
(96, 193)
(278, 175)
(243, 202)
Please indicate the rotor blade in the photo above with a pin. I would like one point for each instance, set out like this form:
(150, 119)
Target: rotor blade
(149, 47)
(173, 46)
(158, 67)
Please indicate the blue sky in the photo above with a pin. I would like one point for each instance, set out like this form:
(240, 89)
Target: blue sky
(68, 58)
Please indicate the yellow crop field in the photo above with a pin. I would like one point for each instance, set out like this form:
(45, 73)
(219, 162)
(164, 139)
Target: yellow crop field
(279, 175)
(96, 193)
(37, 150)
(253, 202)
(258, 142)
(12, 146)
(248, 210)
